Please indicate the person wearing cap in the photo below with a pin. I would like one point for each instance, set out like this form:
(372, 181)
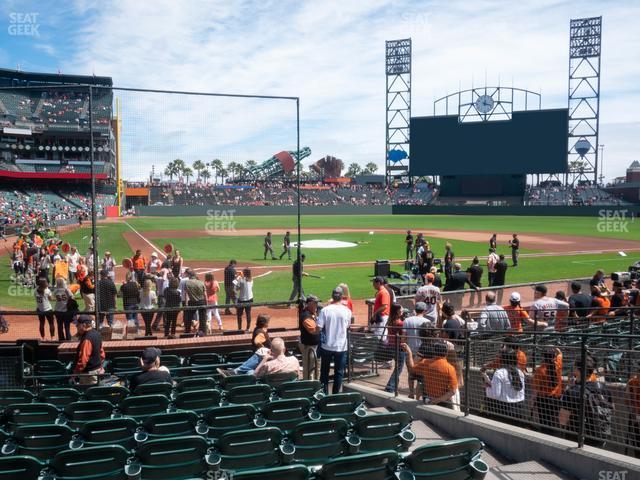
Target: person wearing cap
(297, 270)
(492, 260)
(579, 303)
(89, 352)
(514, 243)
(493, 317)
(517, 315)
(154, 264)
(152, 371)
(309, 337)
(413, 324)
(73, 260)
(333, 321)
(544, 309)
(109, 265)
(430, 296)
(286, 245)
(381, 309)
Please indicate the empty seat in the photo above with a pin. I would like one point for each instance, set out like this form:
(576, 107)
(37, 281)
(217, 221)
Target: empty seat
(156, 388)
(208, 358)
(172, 362)
(112, 431)
(284, 414)
(76, 413)
(366, 466)
(238, 356)
(198, 401)
(384, 431)
(39, 441)
(256, 395)
(275, 379)
(104, 463)
(113, 394)
(349, 406)
(122, 365)
(195, 383)
(140, 407)
(60, 397)
(172, 458)
(30, 414)
(254, 448)
(455, 459)
(169, 425)
(15, 395)
(51, 372)
(227, 383)
(320, 440)
(288, 472)
(311, 389)
(221, 420)
(20, 466)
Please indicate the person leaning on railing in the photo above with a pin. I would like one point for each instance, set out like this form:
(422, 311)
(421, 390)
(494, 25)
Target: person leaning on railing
(505, 389)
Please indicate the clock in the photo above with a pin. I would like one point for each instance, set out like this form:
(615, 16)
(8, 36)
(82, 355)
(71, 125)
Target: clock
(484, 104)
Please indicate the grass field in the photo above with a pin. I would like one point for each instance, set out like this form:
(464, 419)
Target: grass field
(277, 283)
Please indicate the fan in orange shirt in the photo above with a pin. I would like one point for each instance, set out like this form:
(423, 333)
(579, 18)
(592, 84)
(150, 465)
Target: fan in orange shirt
(509, 344)
(517, 315)
(632, 398)
(438, 376)
(547, 387)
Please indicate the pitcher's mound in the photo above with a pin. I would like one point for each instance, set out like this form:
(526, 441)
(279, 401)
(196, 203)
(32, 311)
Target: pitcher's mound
(325, 244)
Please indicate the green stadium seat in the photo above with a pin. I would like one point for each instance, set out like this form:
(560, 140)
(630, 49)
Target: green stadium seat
(112, 431)
(449, 460)
(288, 472)
(60, 397)
(198, 401)
(253, 448)
(21, 467)
(256, 395)
(140, 407)
(275, 379)
(171, 459)
(384, 431)
(158, 388)
(30, 414)
(92, 463)
(15, 395)
(39, 441)
(221, 420)
(320, 440)
(349, 406)
(172, 362)
(284, 414)
(227, 383)
(238, 356)
(311, 389)
(363, 352)
(58, 372)
(113, 394)
(208, 358)
(196, 383)
(77, 413)
(366, 466)
(122, 365)
(170, 425)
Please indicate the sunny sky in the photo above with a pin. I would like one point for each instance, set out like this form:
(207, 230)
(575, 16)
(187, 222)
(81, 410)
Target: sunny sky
(329, 53)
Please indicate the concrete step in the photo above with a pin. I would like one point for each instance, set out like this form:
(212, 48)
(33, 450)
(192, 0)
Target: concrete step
(525, 471)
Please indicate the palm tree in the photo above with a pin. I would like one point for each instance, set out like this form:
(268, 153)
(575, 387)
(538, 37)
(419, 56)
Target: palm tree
(199, 166)
(233, 169)
(370, 168)
(187, 172)
(250, 164)
(223, 174)
(172, 169)
(216, 165)
(354, 170)
(206, 175)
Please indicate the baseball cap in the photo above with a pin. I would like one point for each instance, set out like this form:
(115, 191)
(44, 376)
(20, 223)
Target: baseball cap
(575, 286)
(154, 254)
(337, 293)
(85, 320)
(541, 288)
(107, 252)
(312, 298)
(515, 297)
(430, 278)
(420, 307)
(150, 354)
(378, 279)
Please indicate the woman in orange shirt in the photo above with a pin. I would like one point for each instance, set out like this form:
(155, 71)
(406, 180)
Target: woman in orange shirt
(517, 315)
(547, 387)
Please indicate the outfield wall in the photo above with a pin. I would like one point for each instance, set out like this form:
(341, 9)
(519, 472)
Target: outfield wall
(534, 210)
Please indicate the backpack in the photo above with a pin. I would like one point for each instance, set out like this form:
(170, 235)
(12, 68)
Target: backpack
(598, 409)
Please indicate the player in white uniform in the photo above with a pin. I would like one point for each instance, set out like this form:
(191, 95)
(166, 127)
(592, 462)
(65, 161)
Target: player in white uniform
(545, 309)
(430, 295)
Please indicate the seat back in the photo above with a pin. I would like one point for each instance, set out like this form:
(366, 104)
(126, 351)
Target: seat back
(155, 388)
(20, 466)
(60, 397)
(319, 440)
(208, 358)
(173, 458)
(198, 400)
(298, 389)
(275, 379)
(252, 448)
(449, 459)
(285, 414)
(238, 356)
(42, 441)
(367, 466)
(112, 431)
(171, 362)
(382, 431)
(170, 424)
(227, 383)
(55, 369)
(113, 395)
(140, 407)
(256, 395)
(196, 383)
(15, 395)
(100, 463)
(30, 414)
(339, 405)
(120, 365)
(221, 420)
(289, 472)
(77, 413)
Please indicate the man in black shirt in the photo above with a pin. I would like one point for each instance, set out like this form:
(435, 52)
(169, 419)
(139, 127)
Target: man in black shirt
(298, 273)
(619, 299)
(268, 247)
(499, 277)
(579, 303)
(449, 256)
(514, 243)
(475, 272)
(458, 280)
(409, 245)
(151, 372)
(230, 292)
(286, 245)
(309, 337)
(107, 292)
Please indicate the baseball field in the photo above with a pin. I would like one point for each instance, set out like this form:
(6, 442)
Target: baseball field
(551, 247)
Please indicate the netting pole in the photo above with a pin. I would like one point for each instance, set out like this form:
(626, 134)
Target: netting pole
(298, 253)
(94, 233)
(583, 391)
(467, 366)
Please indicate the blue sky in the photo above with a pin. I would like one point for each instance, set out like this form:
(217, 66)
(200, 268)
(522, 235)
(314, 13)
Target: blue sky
(329, 53)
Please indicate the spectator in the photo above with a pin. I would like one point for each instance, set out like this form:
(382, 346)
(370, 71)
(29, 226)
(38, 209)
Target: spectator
(453, 326)
(309, 337)
(107, 293)
(109, 265)
(229, 290)
(505, 389)
(176, 264)
(493, 317)
(212, 288)
(430, 296)
(43, 306)
(394, 329)
(544, 309)
(87, 290)
(437, 279)
(632, 399)
(244, 286)
(162, 283)
(598, 281)
(449, 256)
(139, 266)
(152, 371)
(154, 264)
(475, 278)
(619, 300)
(381, 309)
(261, 345)
(172, 302)
(509, 344)
(439, 378)
(62, 294)
(196, 301)
(562, 313)
(89, 353)
(517, 315)
(73, 260)
(148, 302)
(547, 387)
(276, 361)
(499, 277)
(411, 329)
(458, 279)
(130, 293)
(333, 322)
(579, 302)
(346, 299)
(492, 260)
(600, 305)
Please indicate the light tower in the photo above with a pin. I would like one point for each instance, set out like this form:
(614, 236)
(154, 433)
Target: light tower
(398, 74)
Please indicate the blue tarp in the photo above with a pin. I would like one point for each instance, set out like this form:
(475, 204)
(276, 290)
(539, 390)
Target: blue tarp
(396, 155)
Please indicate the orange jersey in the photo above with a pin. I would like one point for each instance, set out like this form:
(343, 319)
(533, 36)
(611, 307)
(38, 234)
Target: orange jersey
(516, 315)
(546, 385)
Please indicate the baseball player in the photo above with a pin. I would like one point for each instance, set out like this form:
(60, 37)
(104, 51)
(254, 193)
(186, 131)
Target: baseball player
(430, 295)
(268, 247)
(514, 243)
(286, 245)
(409, 245)
(493, 241)
(449, 257)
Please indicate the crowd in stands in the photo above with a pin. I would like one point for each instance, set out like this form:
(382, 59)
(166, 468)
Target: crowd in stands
(579, 195)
